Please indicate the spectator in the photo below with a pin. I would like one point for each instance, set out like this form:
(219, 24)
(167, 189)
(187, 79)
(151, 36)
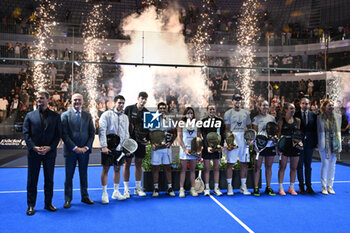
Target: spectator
(3, 108)
(56, 96)
(314, 107)
(24, 98)
(111, 90)
(305, 60)
(289, 62)
(276, 100)
(310, 87)
(64, 87)
(18, 83)
(17, 51)
(110, 103)
(302, 86)
(285, 61)
(52, 55)
(33, 107)
(53, 73)
(25, 50)
(14, 104)
(224, 81)
(66, 54)
(10, 51)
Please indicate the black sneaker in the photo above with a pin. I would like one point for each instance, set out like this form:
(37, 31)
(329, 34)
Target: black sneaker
(155, 193)
(269, 191)
(170, 192)
(256, 192)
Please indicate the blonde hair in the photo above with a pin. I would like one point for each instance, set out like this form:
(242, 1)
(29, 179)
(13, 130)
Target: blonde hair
(324, 104)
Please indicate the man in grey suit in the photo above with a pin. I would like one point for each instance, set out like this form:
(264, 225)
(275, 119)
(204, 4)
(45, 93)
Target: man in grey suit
(78, 134)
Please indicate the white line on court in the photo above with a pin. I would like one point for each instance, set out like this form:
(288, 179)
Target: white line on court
(315, 182)
(232, 215)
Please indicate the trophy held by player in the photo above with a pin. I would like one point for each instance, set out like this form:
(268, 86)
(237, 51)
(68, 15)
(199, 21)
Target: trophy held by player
(158, 138)
(230, 141)
(196, 146)
(214, 140)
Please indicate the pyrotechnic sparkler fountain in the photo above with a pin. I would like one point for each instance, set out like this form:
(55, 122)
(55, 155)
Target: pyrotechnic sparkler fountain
(335, 87)
(202, 37)
(247, 36)
(93, 39)
(42, 42)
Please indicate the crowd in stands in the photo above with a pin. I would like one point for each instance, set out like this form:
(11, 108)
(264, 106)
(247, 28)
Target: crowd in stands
(302, 61)
(223, 31)
(14, 50)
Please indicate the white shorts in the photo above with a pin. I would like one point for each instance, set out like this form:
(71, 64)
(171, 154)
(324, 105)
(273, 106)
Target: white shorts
(184, 156)
(161, 156)
(241, 153)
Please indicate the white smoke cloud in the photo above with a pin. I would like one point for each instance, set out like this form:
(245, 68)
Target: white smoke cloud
(158, 38)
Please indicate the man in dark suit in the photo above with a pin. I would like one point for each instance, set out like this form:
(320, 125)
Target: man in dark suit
(78, 134)
(42, 133)
(309, 128)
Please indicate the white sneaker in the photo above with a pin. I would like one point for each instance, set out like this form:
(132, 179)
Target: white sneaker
(170, 192)
(182, 192)
(206, 192)
(324, 191)
(155, 193)
(117, 195)
(139, 192)
(330, 190)
(105, 199)
(126, 193)
(244, 190)
(230, 190)
(217, 192)
(193, 192)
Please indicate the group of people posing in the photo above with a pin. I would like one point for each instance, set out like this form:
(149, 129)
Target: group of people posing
(44, 128)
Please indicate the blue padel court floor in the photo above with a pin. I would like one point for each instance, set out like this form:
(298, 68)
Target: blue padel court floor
(238, 213)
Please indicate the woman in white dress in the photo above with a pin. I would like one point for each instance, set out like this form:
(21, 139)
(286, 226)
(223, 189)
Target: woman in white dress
(185, 136)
